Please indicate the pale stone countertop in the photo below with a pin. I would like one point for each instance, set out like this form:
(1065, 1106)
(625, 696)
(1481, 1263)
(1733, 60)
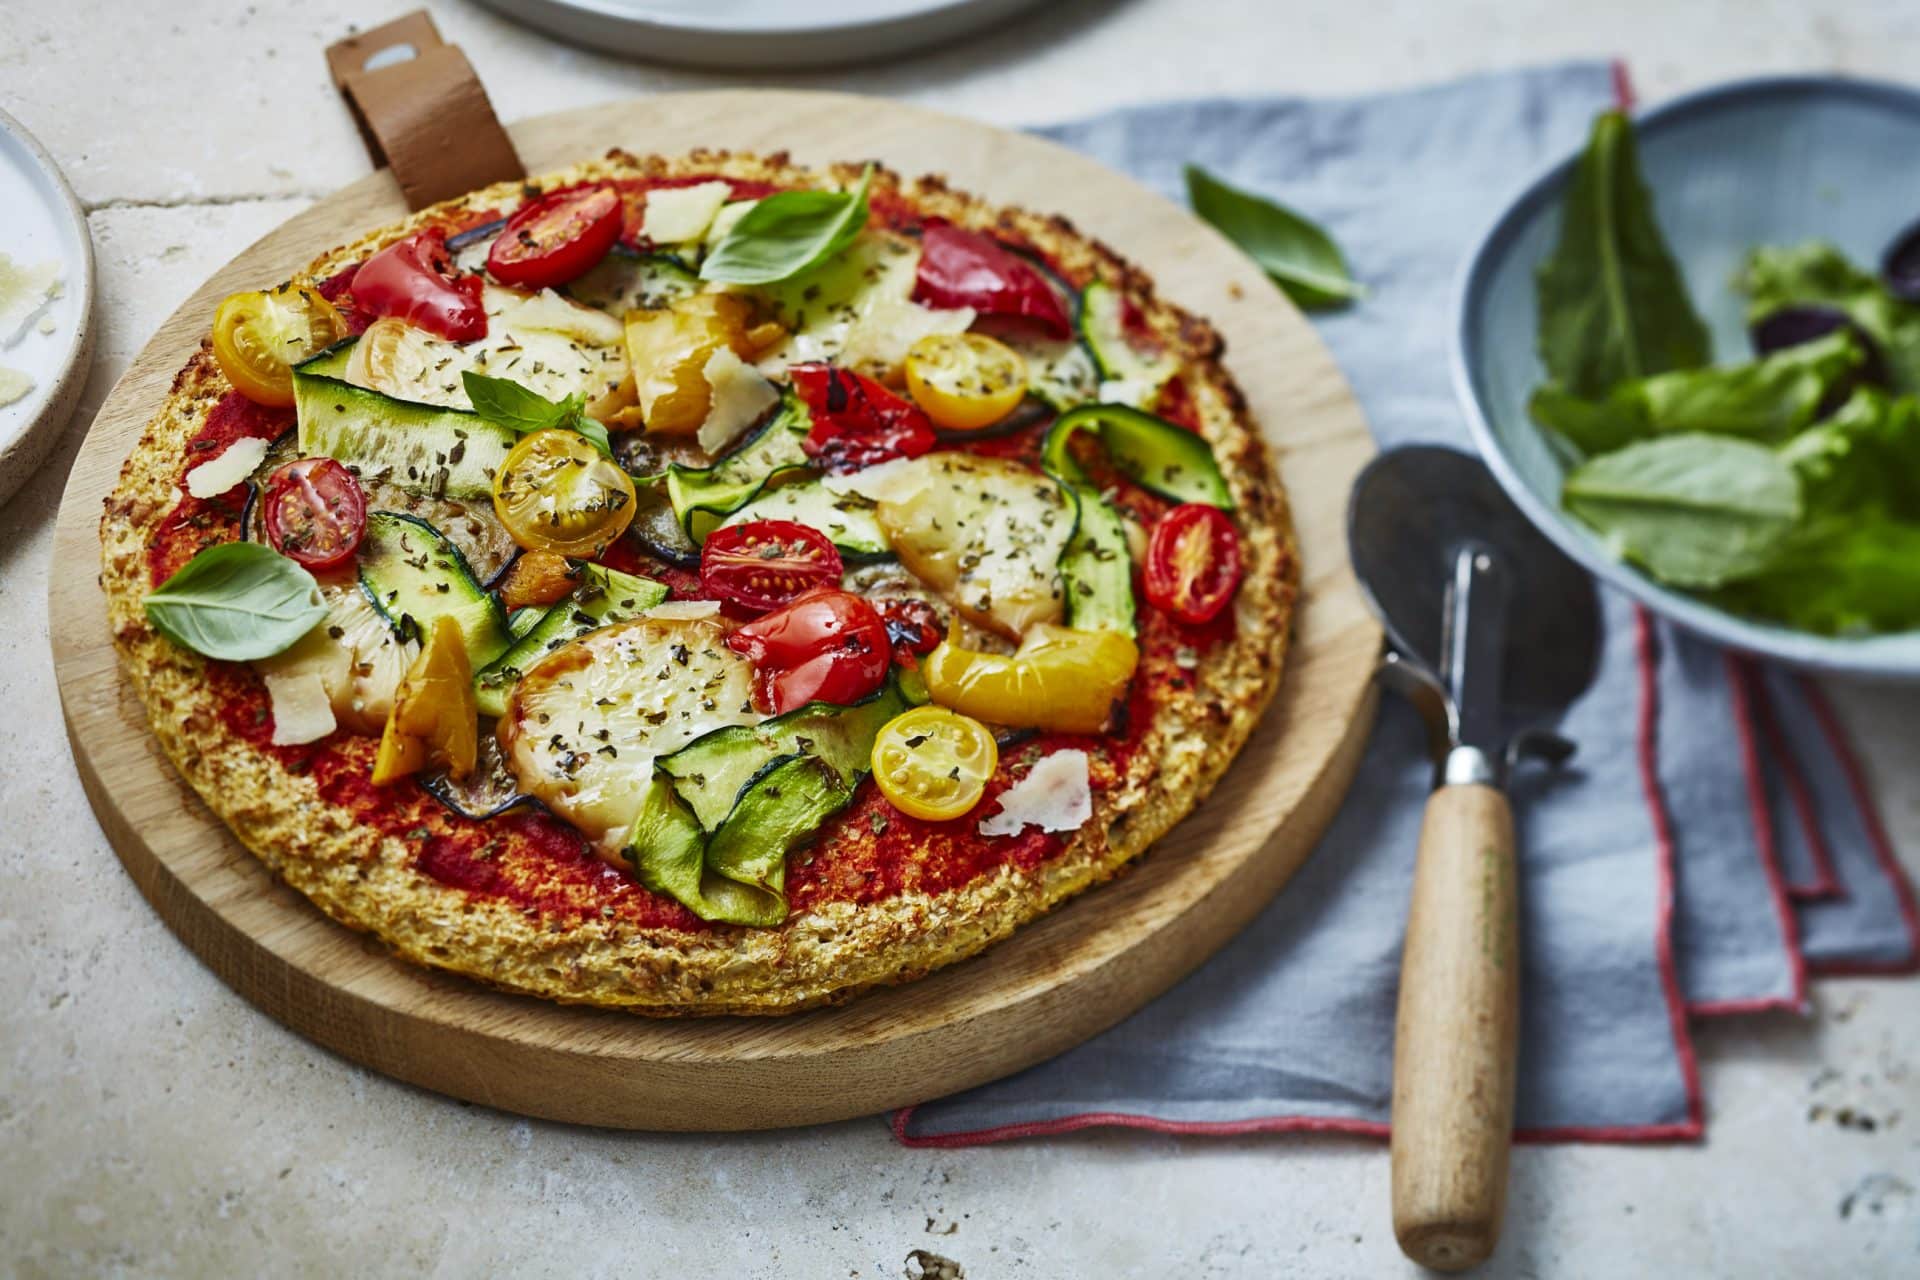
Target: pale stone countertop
(151, 1122)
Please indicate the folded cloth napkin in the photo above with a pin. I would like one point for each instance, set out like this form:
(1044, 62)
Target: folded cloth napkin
(1709, 844)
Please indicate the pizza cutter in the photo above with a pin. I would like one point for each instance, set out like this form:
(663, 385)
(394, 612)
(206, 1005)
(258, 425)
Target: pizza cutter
(1492, 632)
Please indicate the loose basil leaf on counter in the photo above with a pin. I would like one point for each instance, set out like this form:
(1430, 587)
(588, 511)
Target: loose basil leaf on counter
(1613, 304)
(237, 601)
(788, 233)
(1300, 257)
(514, 407)
(1695, 510)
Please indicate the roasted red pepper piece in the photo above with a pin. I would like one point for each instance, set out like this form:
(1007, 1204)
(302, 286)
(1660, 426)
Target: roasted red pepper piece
(856, 421)
(966, 269)
(415, 280)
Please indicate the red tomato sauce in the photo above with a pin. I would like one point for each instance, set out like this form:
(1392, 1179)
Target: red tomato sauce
(525, 857)
(201, 522)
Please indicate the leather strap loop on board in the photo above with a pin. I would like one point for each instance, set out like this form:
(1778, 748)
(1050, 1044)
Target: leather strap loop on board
(421, 110)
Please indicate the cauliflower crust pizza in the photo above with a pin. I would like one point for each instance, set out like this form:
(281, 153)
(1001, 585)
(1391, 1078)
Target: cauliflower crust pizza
(702, 585)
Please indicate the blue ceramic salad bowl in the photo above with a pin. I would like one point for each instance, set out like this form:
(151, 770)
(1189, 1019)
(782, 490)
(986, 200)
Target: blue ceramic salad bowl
(1756, 162)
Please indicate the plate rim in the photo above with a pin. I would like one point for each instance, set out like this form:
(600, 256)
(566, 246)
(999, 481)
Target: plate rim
(1877, 655)
(22, 456)
(601, 27)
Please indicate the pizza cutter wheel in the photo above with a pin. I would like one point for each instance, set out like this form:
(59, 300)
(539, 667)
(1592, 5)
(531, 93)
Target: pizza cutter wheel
(1493, 631)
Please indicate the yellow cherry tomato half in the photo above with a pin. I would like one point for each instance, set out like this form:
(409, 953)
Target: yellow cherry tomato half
(434, 721)
(259, 336)
(392, 357)
(933, 763)
(1059, 679)
(556, 492)
(965, 381)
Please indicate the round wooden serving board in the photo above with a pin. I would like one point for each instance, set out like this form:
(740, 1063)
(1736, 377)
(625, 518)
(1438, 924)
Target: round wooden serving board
(1051, 986)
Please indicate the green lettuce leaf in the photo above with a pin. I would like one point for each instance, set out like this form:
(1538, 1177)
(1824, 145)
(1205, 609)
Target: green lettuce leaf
(1767, 400)
(1695, 510)
(1864, 459)
(1613, 304)
(1840, 575)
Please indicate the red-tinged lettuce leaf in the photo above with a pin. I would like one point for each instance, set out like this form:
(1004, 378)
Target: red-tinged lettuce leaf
(1815, 274)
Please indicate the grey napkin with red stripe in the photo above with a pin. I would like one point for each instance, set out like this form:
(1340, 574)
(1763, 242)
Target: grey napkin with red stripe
(1710, 845)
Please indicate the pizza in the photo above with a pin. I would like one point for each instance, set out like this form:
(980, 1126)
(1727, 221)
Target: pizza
(701, 584)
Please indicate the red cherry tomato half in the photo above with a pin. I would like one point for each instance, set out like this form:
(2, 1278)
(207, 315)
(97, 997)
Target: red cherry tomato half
(856, 421)
(557, 238)
(415, 279)
(966, 269)
(827, 646)
(315, 513)
(912, 625)
(1193, 563)
(764, 564)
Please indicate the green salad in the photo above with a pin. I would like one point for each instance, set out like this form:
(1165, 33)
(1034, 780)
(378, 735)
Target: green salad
(1786, 486)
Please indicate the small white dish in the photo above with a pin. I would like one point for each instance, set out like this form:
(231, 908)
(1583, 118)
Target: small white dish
(39, 220)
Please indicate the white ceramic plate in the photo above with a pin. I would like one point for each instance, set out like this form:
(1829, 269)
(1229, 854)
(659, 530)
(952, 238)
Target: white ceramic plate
(758, 33)
(40, 219)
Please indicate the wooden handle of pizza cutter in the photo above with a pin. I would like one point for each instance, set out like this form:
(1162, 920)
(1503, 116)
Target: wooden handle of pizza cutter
(1456, 1035)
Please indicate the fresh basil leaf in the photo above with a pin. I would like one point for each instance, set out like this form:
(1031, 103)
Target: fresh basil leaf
(513, 406)
(1613, 304)
(1816, 273)
(1768, 400)
(1695, 510)
(595, 433)
(1300, 257)
(1840, 575)
(237, 601)
(788, 233)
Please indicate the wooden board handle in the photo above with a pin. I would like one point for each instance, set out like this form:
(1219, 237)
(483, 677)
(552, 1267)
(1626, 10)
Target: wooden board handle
(1456, 1034)
(421, 110)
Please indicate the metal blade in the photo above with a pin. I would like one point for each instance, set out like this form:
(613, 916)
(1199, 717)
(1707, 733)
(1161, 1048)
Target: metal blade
(1473, 640)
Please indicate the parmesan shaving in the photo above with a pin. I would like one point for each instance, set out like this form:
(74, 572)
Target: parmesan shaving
(236, 462)
(724, 221)
(856, 310)
(878, 342)
(683, 610)
(14, 385)
(302, 711)
(896, 480)
(741, 397)
(1136, 393)
(676, 215)
(1056, 795)
(24, 289)
(548, 312)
